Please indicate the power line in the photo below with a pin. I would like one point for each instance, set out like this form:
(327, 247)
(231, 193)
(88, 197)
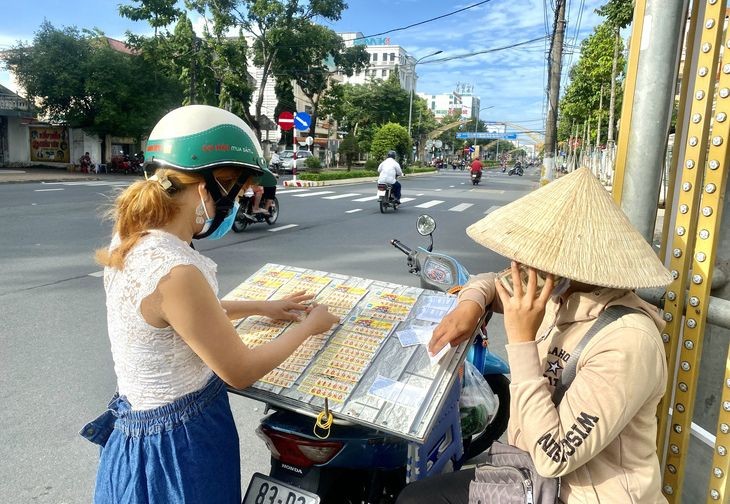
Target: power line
(476, 53)
(425, 21)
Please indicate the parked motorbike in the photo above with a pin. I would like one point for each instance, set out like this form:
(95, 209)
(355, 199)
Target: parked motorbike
(356, 464)
(245, 216)
(446, 274)
(476, 177)
(385, 198)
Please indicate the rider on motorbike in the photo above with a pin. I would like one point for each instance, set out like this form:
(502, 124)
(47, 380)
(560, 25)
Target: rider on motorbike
(389, 171)
(476, 166)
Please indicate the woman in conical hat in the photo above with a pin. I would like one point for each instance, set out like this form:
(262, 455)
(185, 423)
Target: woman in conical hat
(168, 435)
(574, 254)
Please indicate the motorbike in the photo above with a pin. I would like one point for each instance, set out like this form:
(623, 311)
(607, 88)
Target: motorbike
(385, 198)
(476, 177)
(516, 170)
(356, 464)
(245, 216)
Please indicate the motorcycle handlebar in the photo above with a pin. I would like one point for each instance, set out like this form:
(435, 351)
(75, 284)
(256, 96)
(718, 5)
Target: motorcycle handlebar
(403, 248)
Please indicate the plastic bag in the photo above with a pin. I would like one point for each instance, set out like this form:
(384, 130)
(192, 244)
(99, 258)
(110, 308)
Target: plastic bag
(478, 404)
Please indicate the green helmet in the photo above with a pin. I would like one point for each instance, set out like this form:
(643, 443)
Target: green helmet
(201, 137)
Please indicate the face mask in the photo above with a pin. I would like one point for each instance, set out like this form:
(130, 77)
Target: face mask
(224, 227)
(560, 288)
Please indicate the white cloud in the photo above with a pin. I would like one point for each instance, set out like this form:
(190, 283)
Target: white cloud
(514, 79)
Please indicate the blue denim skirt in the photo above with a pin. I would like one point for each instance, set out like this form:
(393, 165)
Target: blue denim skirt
(182, 452)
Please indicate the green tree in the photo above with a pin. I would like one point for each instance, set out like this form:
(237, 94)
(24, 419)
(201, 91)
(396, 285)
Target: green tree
(618, 14)
(391, 136)
(159, 13)
(349, 150)
(272, 24)
(314, 54)
(78, 79)
(362, 108)
(588, 76)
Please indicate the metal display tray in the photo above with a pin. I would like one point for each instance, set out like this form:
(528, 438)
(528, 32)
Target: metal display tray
(416, 389)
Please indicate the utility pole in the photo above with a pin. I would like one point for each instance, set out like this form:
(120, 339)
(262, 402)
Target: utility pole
(612, 101)
(551, 125)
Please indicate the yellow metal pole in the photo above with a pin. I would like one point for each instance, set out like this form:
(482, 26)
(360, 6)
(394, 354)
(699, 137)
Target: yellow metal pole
(719, 490)
(698, 226)
(626, 109)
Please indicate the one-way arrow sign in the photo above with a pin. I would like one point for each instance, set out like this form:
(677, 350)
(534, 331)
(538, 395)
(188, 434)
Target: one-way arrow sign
(302, 121)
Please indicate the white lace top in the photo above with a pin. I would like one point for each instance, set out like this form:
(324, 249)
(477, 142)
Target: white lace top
(154, 366)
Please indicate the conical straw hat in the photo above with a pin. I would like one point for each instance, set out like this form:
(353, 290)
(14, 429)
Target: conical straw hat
(572, 228)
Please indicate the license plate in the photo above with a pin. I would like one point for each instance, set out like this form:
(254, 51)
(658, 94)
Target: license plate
(266, 490)
(381, 193)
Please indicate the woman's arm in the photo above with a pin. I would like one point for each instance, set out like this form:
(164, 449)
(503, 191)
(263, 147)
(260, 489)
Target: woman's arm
(459, 325)
(282, 309)
(185, 301)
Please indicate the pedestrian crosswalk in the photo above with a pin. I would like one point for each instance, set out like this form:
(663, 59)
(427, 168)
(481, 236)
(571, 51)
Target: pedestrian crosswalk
(421, 199)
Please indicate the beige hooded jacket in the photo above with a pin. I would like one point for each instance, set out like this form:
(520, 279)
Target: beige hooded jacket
(601, 439)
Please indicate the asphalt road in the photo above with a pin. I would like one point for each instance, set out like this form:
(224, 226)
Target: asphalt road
(57, 371)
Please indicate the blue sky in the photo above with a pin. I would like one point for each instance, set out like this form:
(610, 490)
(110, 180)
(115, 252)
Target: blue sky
(513, 81)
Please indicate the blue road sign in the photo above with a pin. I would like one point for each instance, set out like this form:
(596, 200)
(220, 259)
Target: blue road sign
(302, 121)
(484, 135)
(471, 148)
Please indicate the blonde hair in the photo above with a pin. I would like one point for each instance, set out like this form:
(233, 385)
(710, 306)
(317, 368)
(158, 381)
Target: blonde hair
(147, 204)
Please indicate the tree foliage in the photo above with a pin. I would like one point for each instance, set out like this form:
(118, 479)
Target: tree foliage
(212, 68)
(272, 24)
(618, 13)
(391, 136)
(362, 108)
(76, 78)
(587, 77)
(315, 53)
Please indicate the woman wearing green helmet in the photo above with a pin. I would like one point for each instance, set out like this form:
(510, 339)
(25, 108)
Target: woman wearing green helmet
(168, 434)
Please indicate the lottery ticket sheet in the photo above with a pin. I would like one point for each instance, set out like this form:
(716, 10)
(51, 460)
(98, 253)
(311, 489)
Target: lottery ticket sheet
(363, 366)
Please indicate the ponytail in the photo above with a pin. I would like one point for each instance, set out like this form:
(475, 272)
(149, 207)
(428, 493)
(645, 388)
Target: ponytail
(152, 204)
(146, 204)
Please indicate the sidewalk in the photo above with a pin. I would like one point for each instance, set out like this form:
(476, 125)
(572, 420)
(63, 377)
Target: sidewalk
(30, 174)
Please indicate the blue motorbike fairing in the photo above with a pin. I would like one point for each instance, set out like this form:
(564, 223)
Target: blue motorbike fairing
(442, 270)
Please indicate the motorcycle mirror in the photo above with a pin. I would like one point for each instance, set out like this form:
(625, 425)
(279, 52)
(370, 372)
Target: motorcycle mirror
(425, 225)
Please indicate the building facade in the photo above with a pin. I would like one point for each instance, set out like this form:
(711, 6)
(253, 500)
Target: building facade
(442, 105)
(385, 59)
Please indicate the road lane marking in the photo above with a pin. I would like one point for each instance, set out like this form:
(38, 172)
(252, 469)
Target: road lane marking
(282, 228)
(406, 200)
(46, 190)
(290, 191)
(461, 208)
(438, 190)
(453, 186)
(491, 209)
(354, 210)
(429, 204)
(97, 274)
(307, 195)
(338, 196)
(368, 198)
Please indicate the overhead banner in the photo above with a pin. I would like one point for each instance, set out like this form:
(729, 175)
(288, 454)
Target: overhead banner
(49, 143)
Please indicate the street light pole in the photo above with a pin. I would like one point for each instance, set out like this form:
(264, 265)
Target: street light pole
(476, 122)
(413, 78)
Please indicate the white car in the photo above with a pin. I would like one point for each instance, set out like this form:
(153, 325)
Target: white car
(288, 159)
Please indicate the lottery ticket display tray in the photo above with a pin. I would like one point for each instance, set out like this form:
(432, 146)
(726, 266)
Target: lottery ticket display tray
(372, 367)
